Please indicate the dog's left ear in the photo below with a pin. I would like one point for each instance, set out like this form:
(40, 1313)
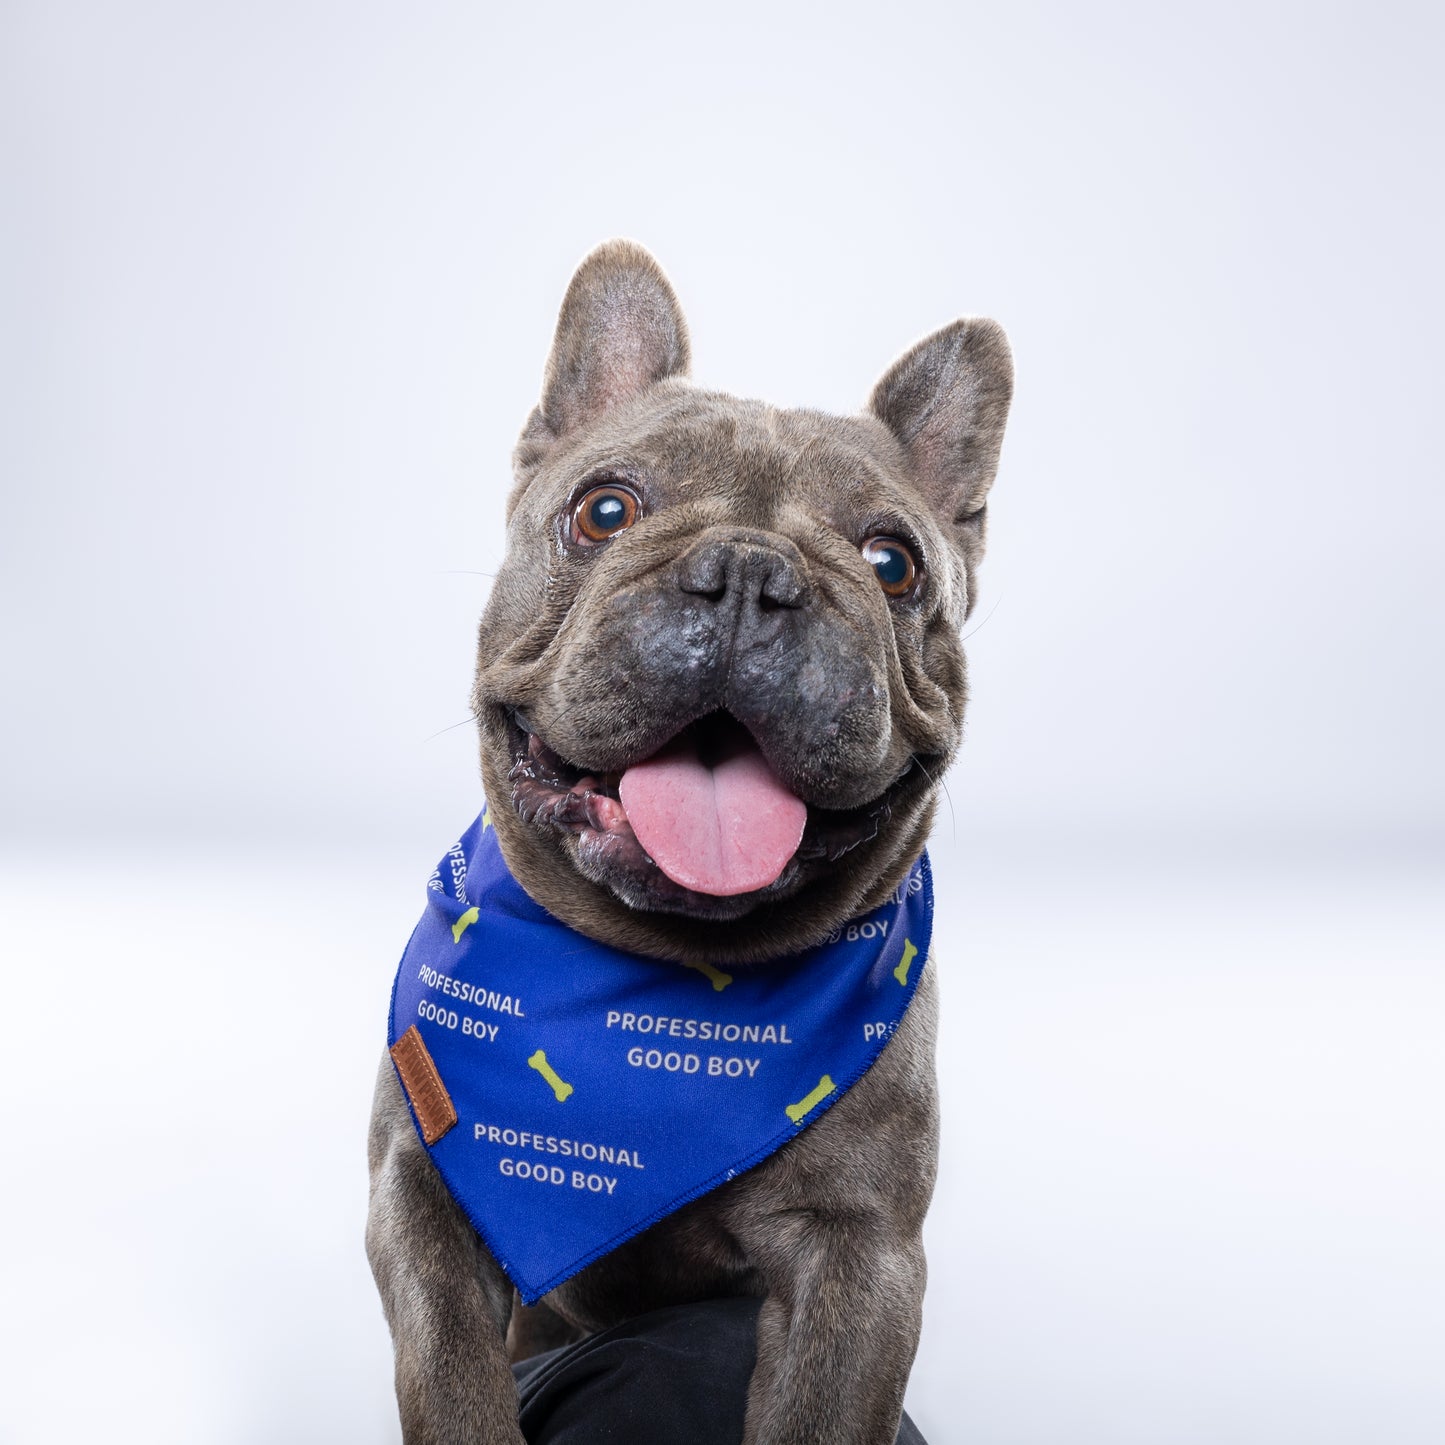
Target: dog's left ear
(620, 331)
(947, 401)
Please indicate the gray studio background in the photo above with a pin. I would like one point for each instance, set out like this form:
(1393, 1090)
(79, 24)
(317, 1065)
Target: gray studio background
(276, 287)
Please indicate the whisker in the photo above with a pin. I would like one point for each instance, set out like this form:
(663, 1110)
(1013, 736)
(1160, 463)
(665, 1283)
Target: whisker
(979, 628)
(952, 816)
(471, 718)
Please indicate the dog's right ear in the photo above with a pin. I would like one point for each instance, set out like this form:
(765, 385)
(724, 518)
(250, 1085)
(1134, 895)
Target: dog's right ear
(619, 332)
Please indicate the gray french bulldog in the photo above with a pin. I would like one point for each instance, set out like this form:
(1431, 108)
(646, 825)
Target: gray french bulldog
(698, 578)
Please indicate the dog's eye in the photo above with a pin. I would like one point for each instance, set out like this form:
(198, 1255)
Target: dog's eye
(892, 564)
(603, 513)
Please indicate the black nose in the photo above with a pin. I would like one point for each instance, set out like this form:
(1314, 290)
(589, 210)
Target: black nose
(747, 570)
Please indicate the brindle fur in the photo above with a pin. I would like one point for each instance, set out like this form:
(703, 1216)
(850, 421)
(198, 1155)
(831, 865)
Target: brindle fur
(743, 589)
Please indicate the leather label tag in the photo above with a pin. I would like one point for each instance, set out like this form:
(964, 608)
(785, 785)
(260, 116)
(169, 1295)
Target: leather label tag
(433, 1106)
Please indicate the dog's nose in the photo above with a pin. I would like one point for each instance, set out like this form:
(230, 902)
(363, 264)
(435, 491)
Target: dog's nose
(746, 569)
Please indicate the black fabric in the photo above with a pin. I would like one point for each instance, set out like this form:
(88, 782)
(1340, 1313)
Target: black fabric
(674, 1377)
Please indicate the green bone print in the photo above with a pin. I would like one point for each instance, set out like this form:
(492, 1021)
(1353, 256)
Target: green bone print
(464, 923)
(805, 1106)
(909, 954)
(720, 980)
(560, 1087)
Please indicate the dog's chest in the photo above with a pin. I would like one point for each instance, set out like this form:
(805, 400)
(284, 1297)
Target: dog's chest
(872, 1156)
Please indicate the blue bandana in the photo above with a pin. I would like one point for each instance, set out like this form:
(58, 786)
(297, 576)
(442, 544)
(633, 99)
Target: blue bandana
(571, 1095)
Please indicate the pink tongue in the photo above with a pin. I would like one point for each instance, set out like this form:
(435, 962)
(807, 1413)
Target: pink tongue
(720, 830)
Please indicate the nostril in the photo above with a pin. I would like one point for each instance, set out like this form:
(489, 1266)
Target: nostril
(704, 576)
(770, 602)
(781, 588)
(711, 588)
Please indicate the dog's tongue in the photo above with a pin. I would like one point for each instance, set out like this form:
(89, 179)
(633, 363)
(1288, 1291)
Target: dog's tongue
(721, 829)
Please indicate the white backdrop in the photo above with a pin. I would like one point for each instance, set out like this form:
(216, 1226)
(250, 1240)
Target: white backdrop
(276, 286)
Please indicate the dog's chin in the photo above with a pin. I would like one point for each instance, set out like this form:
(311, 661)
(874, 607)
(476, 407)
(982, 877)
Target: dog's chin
(584, 812)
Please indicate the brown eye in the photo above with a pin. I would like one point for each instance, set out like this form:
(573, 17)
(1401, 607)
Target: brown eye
(603, 513)
(892, 564)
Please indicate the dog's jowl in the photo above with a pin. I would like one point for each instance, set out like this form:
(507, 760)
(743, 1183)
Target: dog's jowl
(665, 1031)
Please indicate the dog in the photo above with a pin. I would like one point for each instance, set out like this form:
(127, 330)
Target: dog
(693, 577)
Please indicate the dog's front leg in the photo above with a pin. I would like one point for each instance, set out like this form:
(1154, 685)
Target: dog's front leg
(837, 1332)
(445, 1298)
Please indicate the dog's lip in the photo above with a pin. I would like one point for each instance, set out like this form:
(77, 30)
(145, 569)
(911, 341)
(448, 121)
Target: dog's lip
(717, 721)
(551, 766)
(588, 800)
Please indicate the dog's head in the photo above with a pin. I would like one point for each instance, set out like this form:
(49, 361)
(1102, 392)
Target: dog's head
(720, 675)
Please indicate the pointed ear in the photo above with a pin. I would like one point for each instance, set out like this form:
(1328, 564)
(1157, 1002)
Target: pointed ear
(947, 401)
(620, 330)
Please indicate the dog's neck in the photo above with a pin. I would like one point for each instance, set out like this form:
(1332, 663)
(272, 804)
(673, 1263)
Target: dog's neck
(773, 929)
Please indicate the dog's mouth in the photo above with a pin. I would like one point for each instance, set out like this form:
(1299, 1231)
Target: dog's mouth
(702, 820)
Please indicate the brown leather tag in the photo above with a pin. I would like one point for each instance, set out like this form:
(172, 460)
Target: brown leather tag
(435, 1111)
